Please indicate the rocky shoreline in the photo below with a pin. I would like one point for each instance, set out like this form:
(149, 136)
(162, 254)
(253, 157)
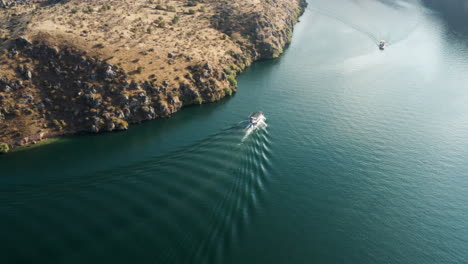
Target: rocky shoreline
(53, 84)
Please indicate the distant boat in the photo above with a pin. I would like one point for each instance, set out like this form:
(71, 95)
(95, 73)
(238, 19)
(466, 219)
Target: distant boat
(382, 45)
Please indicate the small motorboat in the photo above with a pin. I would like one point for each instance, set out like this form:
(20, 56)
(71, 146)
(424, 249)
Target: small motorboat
(255, 118)
(382, 45)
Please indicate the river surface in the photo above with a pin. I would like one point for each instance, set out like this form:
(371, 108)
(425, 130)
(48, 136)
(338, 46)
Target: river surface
(363, 159)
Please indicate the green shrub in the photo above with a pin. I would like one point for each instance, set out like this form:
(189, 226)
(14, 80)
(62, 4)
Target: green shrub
(57, 124)
(228, 91)
(104, 8)
(160, 22)
(232, 80)
(234, 67)
(88, 10)
(191, 3)
(175, 20)
(191, 12)
(4, 148)
(198, 100)
(229, 71)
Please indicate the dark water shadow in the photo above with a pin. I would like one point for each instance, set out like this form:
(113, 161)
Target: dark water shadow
(453, 12)
(75, 155)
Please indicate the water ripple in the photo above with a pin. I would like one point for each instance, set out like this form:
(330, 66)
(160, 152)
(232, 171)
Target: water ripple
(216, 183)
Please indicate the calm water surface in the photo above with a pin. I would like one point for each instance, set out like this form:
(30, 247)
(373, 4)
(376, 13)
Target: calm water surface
(363, 160)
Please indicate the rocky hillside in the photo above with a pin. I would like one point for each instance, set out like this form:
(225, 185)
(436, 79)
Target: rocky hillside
(75, 66)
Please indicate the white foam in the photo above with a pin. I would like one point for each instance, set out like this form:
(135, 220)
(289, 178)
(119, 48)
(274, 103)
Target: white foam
(249, 129)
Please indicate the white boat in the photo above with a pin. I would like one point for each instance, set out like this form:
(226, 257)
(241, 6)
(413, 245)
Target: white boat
(382, 45)
(255, 118)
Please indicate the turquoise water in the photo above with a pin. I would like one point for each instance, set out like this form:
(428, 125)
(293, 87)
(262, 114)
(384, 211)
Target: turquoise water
(362, 160)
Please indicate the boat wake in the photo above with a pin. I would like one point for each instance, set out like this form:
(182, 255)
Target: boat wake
(260, 123)
(379, 28)
(191, 204)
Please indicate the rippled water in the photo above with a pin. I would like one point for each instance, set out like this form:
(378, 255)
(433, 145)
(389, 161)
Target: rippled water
(362, 160)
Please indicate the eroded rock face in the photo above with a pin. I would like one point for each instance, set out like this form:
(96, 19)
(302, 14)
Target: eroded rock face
(267, 36)
(67, 100)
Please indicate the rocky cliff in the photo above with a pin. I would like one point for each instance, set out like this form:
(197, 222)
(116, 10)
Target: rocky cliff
(75, 66)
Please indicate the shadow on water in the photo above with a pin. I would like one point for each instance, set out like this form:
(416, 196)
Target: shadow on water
(453, 12)
(76, 155)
